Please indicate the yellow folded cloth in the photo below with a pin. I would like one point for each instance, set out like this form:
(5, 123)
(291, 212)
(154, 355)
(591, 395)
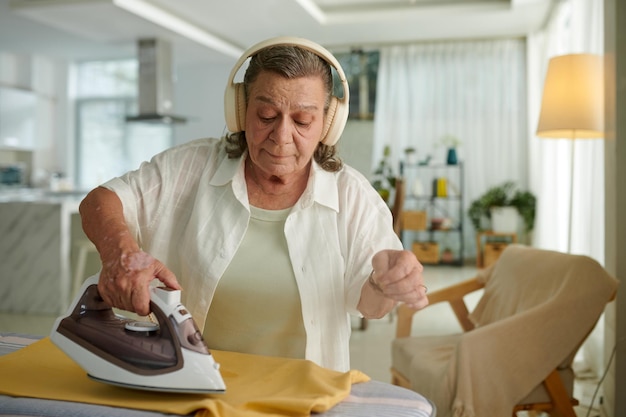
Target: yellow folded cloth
(256, 386)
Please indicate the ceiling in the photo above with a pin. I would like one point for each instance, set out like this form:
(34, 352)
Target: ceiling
(84, 29)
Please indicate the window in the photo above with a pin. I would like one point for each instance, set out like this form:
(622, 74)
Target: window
(107, 146)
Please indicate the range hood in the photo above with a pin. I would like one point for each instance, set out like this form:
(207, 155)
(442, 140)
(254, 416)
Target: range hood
(155, 83)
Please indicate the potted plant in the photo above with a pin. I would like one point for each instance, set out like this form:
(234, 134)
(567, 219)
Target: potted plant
(384, 180)
(447, 255)
(503, 195)
(525, 202)
(411, 155)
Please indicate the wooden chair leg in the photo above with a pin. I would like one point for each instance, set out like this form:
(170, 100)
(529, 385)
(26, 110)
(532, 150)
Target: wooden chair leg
(400, 380)
(560, 398)
(561, 405)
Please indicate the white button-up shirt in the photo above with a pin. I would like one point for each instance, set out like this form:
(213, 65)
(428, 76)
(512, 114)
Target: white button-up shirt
(188, 207)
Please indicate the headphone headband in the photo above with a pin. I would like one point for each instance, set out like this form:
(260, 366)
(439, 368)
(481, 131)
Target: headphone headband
(234, 97)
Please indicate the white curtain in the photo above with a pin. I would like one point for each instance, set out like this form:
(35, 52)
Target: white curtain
(575, 27)
(474, 90)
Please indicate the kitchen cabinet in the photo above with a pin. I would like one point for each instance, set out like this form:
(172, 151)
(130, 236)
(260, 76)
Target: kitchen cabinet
(35, 253)
(18, 118)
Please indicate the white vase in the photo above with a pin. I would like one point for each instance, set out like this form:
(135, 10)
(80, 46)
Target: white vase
(504, 219)
(417, 189)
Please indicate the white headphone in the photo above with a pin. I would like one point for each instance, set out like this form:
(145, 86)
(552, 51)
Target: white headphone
(235, 98)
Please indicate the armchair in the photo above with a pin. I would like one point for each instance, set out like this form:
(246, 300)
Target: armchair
(518, 343)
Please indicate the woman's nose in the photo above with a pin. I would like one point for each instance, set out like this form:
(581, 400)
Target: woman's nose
(282, 131)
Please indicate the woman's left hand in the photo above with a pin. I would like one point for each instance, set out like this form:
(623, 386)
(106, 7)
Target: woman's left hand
(398, 275)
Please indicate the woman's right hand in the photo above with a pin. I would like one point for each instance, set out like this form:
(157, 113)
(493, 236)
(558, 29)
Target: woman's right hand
(125, 280)
(126, 270)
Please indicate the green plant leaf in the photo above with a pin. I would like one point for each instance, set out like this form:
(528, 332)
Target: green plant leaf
(505, 194)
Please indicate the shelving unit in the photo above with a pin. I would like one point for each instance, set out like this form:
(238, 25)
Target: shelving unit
(437, 191)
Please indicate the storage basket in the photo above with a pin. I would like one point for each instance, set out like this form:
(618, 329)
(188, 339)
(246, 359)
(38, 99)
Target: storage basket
(492, 252)
(413, 220)
(426, 252)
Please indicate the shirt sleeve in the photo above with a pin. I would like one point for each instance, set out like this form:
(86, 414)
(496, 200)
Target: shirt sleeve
(155, 192)
(139, 192)
(368, 229)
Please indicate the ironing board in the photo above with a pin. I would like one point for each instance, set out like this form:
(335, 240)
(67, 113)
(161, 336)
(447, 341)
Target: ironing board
(369, 399)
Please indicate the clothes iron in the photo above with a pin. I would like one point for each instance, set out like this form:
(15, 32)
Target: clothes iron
(170, 356)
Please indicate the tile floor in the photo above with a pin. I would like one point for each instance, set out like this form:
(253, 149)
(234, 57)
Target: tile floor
(370, 349)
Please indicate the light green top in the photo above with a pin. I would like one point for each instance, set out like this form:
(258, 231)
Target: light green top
(256, 307)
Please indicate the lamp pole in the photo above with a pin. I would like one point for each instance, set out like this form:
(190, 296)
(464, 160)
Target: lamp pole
(571, 197)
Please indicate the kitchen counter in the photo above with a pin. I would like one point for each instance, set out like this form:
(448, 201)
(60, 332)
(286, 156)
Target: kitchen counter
(21, 195)
(37, 228)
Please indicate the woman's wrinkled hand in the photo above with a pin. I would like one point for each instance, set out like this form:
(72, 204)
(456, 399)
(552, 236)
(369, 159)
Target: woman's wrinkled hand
(125, 280)
(398, 274)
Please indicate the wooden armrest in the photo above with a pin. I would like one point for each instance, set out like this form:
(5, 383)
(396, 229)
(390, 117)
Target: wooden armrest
(453, 294)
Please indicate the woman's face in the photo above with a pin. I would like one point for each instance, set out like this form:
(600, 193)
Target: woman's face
(284, 122)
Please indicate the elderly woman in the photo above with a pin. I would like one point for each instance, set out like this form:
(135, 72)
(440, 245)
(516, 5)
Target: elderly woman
(273, 240)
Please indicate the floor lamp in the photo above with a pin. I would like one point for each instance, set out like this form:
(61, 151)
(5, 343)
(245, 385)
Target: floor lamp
(572, 106)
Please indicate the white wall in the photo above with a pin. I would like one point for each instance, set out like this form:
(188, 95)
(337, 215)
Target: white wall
(200, 98)
(356, 145)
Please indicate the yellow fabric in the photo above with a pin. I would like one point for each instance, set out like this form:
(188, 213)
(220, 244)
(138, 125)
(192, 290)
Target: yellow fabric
(256, 386)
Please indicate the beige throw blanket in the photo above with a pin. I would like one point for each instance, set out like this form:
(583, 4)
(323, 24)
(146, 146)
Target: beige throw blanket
(538, 306)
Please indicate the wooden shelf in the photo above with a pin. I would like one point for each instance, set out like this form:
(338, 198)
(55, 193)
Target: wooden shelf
(490, 244)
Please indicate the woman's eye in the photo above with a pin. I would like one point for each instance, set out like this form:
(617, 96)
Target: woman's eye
(299, 123)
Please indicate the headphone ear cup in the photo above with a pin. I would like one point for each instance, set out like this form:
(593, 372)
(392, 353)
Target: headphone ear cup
(335, 120)
(241, 106)
(235, 107)
(330, 117)
(230, 107)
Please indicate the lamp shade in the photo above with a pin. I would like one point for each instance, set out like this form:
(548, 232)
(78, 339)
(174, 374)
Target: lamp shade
(572, 105)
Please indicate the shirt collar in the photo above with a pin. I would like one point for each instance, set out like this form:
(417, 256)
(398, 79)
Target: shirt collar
(324, 187)
(321, 188)
(227, 170)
